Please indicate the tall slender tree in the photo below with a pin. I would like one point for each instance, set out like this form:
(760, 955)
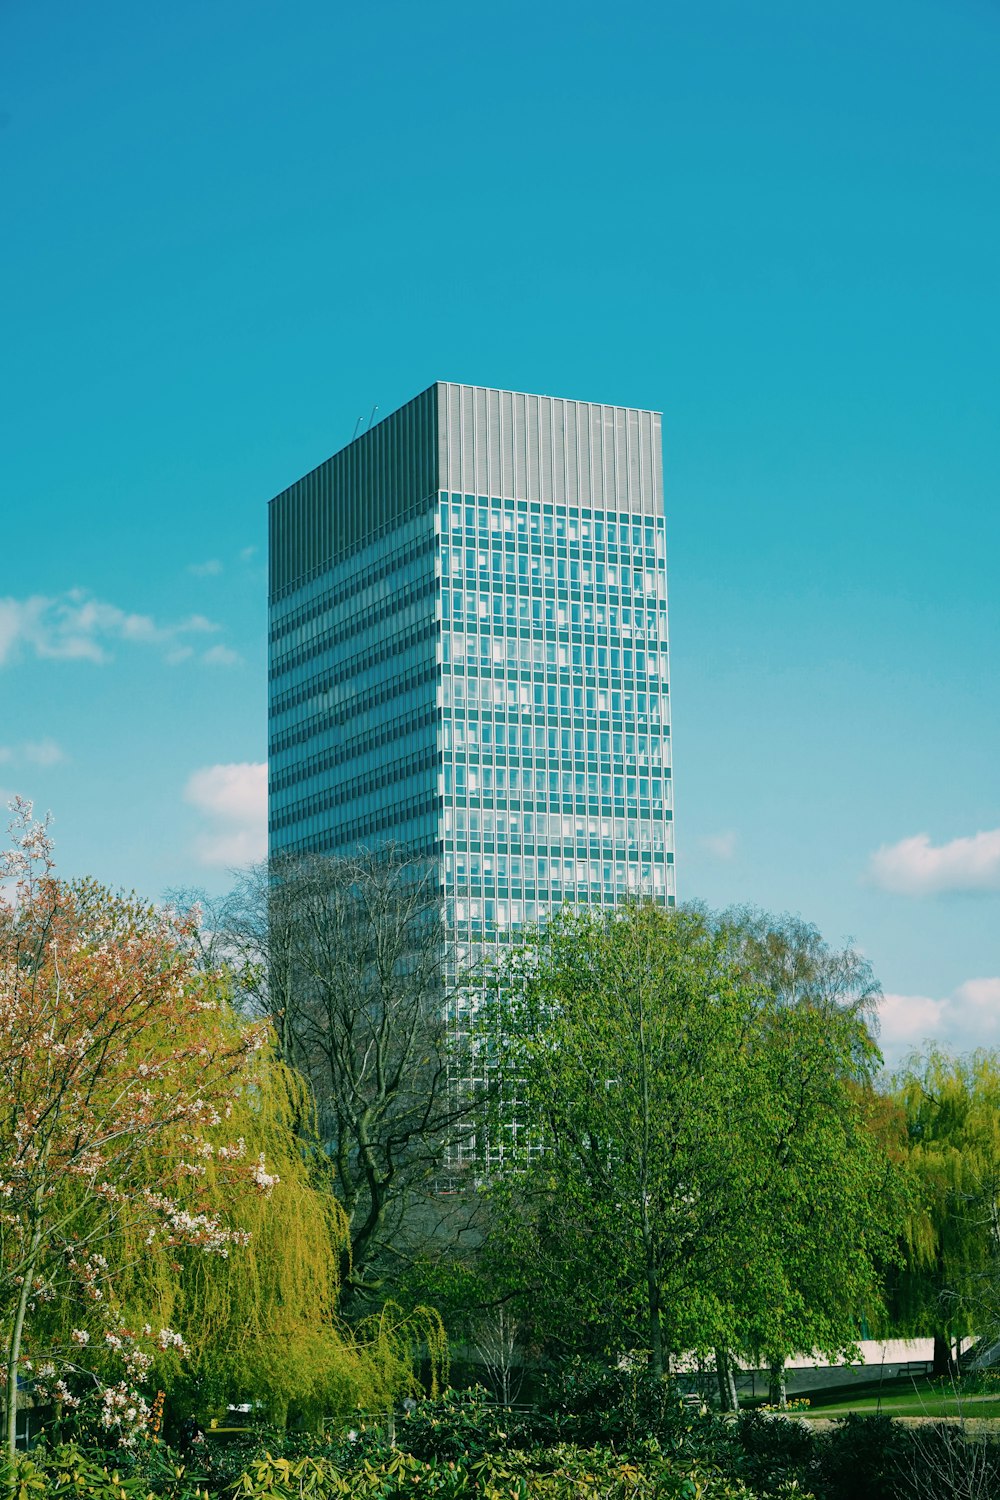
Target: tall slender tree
(349, 959)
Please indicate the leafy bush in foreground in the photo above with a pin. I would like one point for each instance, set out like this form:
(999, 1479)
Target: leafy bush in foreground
(862, 1459)
(588, 1403)
(459, 1448)
(774, 1450)
(561, 1472)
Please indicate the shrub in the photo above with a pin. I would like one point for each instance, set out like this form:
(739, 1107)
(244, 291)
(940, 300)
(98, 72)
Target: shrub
(941, 1463)
(458, 1425)
(563, 1472)
(775, 1450)
(863, 1459)
(589, 1403)
(68, 1472)
(455, 1448)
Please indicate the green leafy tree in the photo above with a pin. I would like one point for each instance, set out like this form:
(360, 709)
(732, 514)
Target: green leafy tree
(833, 995)
(163, 1216)
(951, 1282)
(692, 1167)
(791, 960)
(825, 1193)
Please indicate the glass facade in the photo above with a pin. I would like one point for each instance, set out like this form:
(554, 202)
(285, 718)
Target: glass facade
(480, 677)
(555, 732)
(354, 731)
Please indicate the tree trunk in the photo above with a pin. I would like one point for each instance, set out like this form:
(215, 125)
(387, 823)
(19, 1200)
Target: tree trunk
(656, 1364)
(728, 1398)
(776, 1392)
(13, 1360)
(720, 1375)
(943, 1364)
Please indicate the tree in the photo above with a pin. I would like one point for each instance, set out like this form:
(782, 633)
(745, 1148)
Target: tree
(950, 1285)
(833, 993)
(790, 959)
(826, 1196)
(349, 959)
(498, 1342)
(108, 1043)
(480, 1299)
(147, 1133)
(703, 1147)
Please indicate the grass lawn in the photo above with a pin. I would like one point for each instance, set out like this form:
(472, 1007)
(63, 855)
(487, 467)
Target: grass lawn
(924, 1401)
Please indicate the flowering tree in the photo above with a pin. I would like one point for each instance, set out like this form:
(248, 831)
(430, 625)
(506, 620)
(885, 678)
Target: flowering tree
(120, 1066)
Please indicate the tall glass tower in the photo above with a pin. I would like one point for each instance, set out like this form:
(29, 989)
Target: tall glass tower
(468, 653)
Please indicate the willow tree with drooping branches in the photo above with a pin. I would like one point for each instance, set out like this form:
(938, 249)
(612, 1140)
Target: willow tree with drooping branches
(950, 1284)
(157, 1208)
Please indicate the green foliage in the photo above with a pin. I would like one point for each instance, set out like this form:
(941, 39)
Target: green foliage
(261, 1325)
(265, 1327)
(167, 1220)
(458, 1289)
(454, 1446)
(224, 1461)
(951, 1107)
(587, 1402)
(270, 1478)
(563, 1472)
(22, 1478)
(775, 1450)
(392, 1336)
(68, 1472)
(863, 1459)
(458, 1448)
(707, 1149)
(458, 1425)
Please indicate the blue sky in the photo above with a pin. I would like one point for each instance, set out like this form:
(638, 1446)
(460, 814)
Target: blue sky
(231, 229)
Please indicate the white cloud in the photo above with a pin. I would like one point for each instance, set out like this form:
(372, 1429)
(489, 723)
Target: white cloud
(916, 867)
(980, 995)
(233, 799)
(32, 753)
(247, 554)
(722, 845)
(967, 1018)
(907, 1019)
(75, 627)
(207, 569)
(237, 791)
(221, 656)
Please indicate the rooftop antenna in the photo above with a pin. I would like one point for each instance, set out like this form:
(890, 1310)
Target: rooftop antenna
(360, 423)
